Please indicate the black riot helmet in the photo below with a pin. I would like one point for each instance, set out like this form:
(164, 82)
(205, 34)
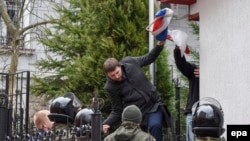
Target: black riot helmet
(208, 118)
(83, 117)
(64, 106)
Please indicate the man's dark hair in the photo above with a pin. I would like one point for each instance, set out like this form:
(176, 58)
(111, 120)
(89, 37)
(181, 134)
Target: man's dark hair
(110, 64)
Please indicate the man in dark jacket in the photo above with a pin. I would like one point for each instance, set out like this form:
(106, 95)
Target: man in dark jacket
(130, 128)
(191, 71)
(127, 84)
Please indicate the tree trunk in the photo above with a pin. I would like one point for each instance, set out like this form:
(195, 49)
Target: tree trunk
(14, 48)
(13, 67)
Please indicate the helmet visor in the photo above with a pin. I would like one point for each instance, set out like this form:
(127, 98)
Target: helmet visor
(206, 100)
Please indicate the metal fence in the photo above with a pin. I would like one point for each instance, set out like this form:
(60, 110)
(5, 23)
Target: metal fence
(14, 104)
(15, 123)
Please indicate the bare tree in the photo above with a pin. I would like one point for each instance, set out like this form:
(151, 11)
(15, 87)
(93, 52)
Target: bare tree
(16, 32)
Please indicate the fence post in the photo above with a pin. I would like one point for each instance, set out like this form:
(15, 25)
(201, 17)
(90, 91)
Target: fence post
(96, 122)
(3, 117)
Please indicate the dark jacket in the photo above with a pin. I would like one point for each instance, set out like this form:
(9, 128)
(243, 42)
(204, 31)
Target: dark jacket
(135, 89)
(129, 132)
(39, 135)
(187, 69)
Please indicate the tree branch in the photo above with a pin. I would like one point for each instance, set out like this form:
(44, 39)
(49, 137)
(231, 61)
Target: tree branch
(34, 25)
(3, 11)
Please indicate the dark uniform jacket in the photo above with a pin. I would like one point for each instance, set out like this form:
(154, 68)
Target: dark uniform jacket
(129, 132)
(187, 69)
(135, 88)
